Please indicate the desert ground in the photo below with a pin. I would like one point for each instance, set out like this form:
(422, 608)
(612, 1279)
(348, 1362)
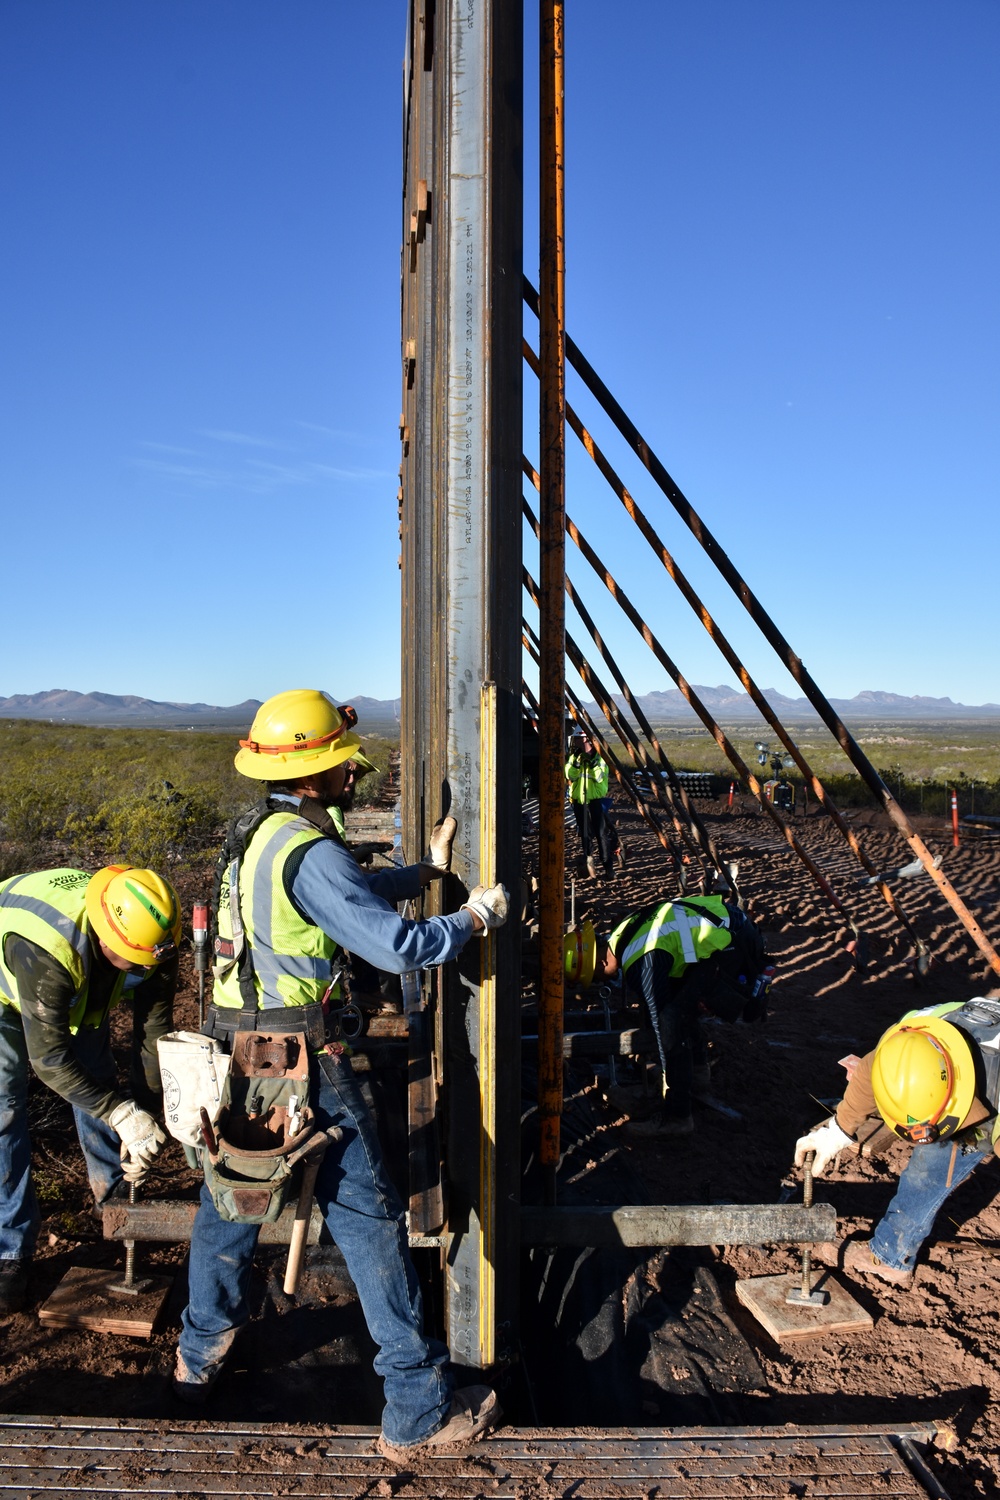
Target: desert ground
(934, 1351)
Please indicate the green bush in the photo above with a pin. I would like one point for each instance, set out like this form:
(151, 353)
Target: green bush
(136, 796)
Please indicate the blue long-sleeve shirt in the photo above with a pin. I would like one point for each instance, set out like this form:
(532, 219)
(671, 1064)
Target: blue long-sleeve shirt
(330, 890)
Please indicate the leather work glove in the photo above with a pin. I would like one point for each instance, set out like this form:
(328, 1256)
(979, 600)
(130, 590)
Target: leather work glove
(827, 1140)
(141, 1137)
(437, 860)
(489, 902)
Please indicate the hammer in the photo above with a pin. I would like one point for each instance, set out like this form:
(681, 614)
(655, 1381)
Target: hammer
(311, 1154)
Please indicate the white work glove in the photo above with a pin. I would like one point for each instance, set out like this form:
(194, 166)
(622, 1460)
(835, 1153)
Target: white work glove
(827, 1140)
(438, 857)
(141, 1137)
(489, 902)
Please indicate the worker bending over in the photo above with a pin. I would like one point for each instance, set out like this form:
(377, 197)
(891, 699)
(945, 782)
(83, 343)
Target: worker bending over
(291, 898)
(683, 958)
(935, 1080)
(587, 775)
(70, 945)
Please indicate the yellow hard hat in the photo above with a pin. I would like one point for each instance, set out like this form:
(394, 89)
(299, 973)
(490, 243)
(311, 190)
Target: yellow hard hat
(136, 913)
(580, 954)
(924, 1078)
(296, 733)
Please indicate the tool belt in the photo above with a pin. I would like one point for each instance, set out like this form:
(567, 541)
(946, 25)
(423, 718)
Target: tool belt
(320, 1025)
(265, 1126)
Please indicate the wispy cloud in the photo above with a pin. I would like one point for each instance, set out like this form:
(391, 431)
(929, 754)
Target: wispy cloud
(250, 471)
(170, 448)
(241, 439)
(257, 476)
(329, 471)
(339, 434)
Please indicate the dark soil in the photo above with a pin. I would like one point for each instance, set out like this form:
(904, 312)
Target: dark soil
(934, 1352)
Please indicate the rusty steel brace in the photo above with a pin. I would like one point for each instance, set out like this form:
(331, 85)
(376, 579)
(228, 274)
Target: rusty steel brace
(625, 735)
(775, 638)
(718, 734)
(695, 834)
(729, 653)
(577, 711)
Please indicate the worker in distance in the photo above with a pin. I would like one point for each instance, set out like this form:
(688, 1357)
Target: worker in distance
(71, 946)
(586, 775)
(290, 898)
(682, 958)
(934, 1078)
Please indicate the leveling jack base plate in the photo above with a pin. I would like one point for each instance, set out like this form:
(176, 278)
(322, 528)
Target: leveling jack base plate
(787, 1322)
(85, 1299)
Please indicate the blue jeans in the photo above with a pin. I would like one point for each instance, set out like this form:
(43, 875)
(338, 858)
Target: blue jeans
(675, 1025)
(365, 1217)
(19, 1216)
(930, 1176)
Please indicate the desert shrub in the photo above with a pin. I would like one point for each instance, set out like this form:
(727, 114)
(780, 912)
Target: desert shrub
(371, 787)
(139, 796)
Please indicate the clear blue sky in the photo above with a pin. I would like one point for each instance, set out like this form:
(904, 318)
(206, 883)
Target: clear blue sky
(782, 250)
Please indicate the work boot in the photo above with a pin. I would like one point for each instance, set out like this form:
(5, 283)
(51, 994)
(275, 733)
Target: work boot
(593, 868)
(661, 1127)
(473, 1411)
(859, 1256)
(13, 1286)
(195, 1390)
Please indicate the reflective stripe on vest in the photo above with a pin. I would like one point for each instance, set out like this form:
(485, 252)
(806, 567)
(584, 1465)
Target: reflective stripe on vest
(286, 971)
(685, 933)
(587, 782)
(49, 910)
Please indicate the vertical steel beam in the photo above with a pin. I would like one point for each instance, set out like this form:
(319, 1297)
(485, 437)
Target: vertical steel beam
(552, 573)
(461, 602)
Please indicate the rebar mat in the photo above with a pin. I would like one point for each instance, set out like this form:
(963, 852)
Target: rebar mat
(68, 1457)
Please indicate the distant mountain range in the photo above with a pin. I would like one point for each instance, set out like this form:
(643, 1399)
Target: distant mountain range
(729, 703)
(110, 709)
(381, 715)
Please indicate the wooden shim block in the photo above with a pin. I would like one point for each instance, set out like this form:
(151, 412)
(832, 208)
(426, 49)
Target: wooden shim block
(764, 1296)
(640, 1225)
(875, 1138)
(82, 1300)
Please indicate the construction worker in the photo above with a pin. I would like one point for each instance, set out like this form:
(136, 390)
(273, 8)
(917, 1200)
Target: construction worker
(683, 958)
(587, 775)
(935, 1080)
(297, 896)
(71, 944)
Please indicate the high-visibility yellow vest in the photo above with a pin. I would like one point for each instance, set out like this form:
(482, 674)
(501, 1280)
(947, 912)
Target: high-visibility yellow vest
(293, 961)
(686, 934)
(49, 910)
(588, 779)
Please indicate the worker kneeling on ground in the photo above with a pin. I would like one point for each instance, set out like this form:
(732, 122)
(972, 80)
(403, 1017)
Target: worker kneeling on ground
(684, 958)
(291, 897)
(70, 945)
(935, 1080)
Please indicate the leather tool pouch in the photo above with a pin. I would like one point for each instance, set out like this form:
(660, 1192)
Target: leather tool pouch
(264, 1120)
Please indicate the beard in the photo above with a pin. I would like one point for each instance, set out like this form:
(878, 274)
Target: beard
(346, 799)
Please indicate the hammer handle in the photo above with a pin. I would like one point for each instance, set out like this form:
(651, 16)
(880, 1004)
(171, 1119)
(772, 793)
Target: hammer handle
(300, 1226)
